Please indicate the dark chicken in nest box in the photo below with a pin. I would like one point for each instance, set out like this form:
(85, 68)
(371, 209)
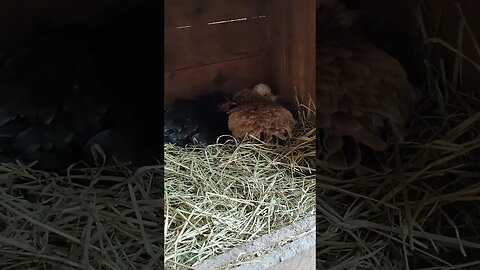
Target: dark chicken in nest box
(75, 86)
(203, 120)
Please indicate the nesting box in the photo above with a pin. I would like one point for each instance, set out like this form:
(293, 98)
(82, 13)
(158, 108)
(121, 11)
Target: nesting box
(231, 45)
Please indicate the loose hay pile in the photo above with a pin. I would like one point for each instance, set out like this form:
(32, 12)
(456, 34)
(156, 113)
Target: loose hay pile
(220, 196)
(107, 218)
(425, 214)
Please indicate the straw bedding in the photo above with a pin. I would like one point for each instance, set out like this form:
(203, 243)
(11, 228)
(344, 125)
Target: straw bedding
(219, 196)
(106, 218)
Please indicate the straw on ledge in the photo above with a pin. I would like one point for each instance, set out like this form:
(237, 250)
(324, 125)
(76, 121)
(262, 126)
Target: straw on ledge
(99, 218)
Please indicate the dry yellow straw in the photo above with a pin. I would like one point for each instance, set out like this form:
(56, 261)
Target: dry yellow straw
(219, 196)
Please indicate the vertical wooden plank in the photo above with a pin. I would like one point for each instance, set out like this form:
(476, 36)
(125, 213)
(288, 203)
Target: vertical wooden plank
(292, 42)
(279, 35)
(302, 53)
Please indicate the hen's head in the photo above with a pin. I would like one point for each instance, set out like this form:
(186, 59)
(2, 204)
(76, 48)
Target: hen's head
(260, 93)
(265, 91)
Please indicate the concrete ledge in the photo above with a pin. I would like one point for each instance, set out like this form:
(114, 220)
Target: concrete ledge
(291, 247)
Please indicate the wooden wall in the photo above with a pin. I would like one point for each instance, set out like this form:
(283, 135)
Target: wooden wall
(292, 44)
(231, 45)
(206, 52)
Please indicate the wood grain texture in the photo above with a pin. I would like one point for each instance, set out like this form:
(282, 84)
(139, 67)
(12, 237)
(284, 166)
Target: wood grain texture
(201, 58)
(200, 12)
(292, 42)
(279, 36)
(229, 77)
(302, 54)
(196, 46)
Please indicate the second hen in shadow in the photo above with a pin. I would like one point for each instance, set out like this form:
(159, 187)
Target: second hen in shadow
(203, 120)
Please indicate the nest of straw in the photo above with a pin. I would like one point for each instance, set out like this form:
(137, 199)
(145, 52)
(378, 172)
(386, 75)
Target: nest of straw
(425, 213)
(102, 218)
(220, 196)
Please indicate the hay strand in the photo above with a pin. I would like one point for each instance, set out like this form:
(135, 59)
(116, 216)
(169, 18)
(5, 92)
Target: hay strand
(220, 196)
(94, 218)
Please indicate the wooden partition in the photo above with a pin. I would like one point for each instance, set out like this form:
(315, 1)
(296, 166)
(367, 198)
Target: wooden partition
(214, 45)
(231, 45)
(292, 44)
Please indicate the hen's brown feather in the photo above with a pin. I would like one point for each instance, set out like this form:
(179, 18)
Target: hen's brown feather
(257, 115)
(359, 88)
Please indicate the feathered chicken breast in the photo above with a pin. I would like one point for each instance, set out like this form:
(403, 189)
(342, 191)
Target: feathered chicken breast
(362, 92)
(257, 114)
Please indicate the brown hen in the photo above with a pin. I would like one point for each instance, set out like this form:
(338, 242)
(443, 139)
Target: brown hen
(362, 92)
(257, 114)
